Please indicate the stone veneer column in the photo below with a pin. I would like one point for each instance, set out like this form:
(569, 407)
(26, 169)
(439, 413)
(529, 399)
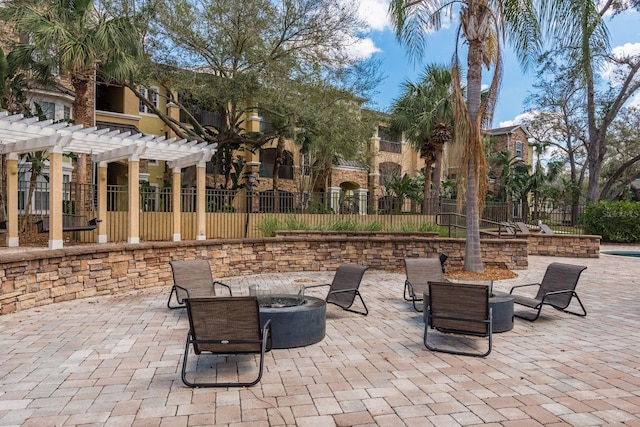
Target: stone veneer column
(176, 200)
(361, 195)
(134, 200)
(201, 202)
(102, 202)
(12, 200)
(334, 198)
(55, 198)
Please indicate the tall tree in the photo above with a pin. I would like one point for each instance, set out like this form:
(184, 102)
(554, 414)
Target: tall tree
(80, 39)
(238, 59)
(424, 114)
(483, 26)
(583, 43)
(622, 162)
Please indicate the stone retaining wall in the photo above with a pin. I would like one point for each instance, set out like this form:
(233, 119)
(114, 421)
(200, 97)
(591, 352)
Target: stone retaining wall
(564, 245)
(38, 277)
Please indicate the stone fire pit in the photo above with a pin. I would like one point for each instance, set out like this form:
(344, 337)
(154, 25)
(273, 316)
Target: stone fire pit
(296, 320)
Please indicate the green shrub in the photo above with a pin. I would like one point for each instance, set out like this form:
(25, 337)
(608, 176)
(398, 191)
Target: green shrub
(615, 221)
(293, 223)
(268, 226)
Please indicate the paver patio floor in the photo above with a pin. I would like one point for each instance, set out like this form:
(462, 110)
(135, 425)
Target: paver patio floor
(115, 361)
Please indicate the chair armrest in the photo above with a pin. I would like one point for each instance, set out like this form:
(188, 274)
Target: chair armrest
(523, 286)
(266, 336)
(183, 289)
(223, 284)
(344, 290)
(555, 293)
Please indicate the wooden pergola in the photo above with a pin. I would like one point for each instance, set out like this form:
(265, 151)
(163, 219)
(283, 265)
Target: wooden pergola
(20, 135)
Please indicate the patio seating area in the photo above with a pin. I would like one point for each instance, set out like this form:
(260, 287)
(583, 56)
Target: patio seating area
(116, 361)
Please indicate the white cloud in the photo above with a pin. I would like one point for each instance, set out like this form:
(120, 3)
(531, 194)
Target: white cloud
(359, 49)
(518, 119)
(374, 13)
(612, 70)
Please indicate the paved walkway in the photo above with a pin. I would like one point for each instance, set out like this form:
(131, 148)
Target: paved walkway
(115, 361)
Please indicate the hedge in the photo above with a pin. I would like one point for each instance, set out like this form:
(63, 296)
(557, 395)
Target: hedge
(617, 222)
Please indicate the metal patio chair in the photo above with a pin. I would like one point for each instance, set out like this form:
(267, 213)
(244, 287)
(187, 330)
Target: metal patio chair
(225, 326)
(419, 272)
(557, 289)
(458, 308)
(345, 287)
(192, 279)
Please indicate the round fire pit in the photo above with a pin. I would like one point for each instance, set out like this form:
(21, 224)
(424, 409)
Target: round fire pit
(296, 320)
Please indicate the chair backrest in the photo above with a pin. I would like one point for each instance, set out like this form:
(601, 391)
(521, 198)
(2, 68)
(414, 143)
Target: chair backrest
(224, 318)
(347, 277)
(508, 228)
(420, 271)
(523, 228)
(193, 275)
(463, 301)
(545, 229)
(559, 277)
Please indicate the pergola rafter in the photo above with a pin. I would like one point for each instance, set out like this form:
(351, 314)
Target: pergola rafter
(20, 135)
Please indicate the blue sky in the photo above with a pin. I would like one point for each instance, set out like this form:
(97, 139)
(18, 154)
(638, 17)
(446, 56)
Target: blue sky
(397, 67)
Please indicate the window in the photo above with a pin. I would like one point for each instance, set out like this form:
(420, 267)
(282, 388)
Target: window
(388, 171)
(518, 152)
(48, 109)
(67, 113)
(40, 192)
(267, 161)
(151, 95)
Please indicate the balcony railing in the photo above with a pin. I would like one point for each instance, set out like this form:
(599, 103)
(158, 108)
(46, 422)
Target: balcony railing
(390, 146)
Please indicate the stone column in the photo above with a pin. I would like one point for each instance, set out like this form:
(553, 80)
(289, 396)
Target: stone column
(361, 196)
(334, 198)
(134, 200)
(55, 198)
(12, 200)
(177, 203)
(102, 202)
(201, 202)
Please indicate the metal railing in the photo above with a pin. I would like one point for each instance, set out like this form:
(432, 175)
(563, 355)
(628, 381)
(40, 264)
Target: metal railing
(232, 213)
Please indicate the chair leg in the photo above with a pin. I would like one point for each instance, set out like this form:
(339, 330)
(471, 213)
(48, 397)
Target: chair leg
(460, 353)
(364, 313)
(530, 318)
(174, 292)
(539, 308)
(207, 384)
(408, 294)
(584, 311)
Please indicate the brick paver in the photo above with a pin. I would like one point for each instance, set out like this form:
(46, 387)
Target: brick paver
(116, 361)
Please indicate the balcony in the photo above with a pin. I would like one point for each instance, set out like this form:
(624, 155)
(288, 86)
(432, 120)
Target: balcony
(390, 146)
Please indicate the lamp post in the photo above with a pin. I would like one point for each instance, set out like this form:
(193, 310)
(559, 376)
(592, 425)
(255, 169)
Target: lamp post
(251, 180)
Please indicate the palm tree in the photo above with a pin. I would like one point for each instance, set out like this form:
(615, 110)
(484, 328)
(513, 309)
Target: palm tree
(82, 41)
(483, 25)
(424, 114)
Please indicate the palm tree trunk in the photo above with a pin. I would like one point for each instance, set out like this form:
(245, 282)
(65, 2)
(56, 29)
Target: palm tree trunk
(437, 172)
(427, 186)
(473, 257)
(83, 115)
